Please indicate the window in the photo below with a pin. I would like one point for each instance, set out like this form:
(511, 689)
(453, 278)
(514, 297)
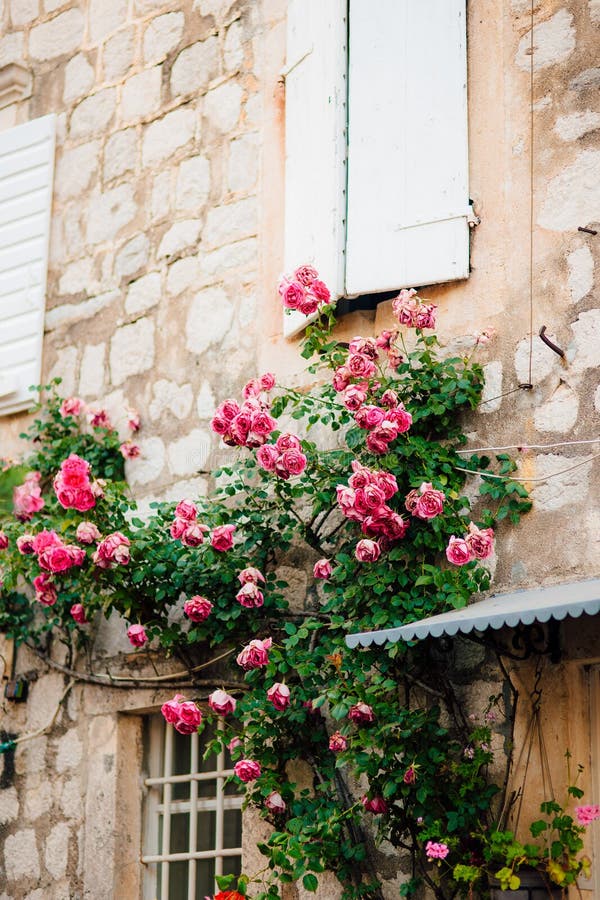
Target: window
(193, 821)
(376, 144)
(26, 172)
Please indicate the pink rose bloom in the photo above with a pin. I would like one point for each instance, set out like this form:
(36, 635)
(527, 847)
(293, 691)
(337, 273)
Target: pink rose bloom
(287, 441)
(25, 544)
(425, 315)
(321, 291)
(27, 497)
(410, 776)
(197, 608)
(389, 399)
(78, 614)
(369, 417)
(364, 346)
(399, 417)
(429, 502)
(322, 569)
(267, 381)
(435, 850)
(360, 366)
(267, 456)
(177, 528)
(3, 541)
(219, 425)
(99, 419)
(133, 420)
(73, 406)
(239, 428)
(262, 424)
(129, 450)
(137, 635)
(45, 591)
(222, 538)
(279, 695)
(185, 509)
(481, 541)
(190, 718)
(250, 596)
(250, 575)
(45, 539)
(376, 805)
(403, 306)
(385, 340)
(367, 551)
(585, 815)
(56, 558)
(275, 802)
(193, 534)
(221, 702)
(337, 742)
(341, 378)
(411, 500)
(76, 553)
(112, 551)
(361, 714)
(309, 305)
(229, 409)
(255, 654)
(251, 388)
(292, 294)
(170, 709)
(233, 744)
(458, 551)
(81, 499)
(247, 770)
(291, 462)
(87, 533)
(354, 396)
(75, 472)
(306, 275)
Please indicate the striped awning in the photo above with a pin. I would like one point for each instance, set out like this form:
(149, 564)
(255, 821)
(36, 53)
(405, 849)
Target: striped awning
(532, 605)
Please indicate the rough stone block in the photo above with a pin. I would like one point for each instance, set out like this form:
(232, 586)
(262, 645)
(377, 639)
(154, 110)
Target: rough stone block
(573, 196)
(120, 153)
(559, 413)
(170, 397)
(9, 805)
(574, 125)
(233, 51)
(195, 67)
(93, 114)
(165, 136)
(584, 351)
(193, 183)
(61, 35)
(162, 36)
(91, 375)
(209, 319)
(179, 237)
(76, 277)
(232, 222)
(108, 212)
(149, 465)
(490, 398)
(57, 850)
(132, 350)
(21, 859)
(65, 368)
(11, 48)
(594, 7)
(141, 94)
(38, 801)
(581, 273)
(240, 255)
(75, 169)
(71, 800)
(205, 403)
(242, 172)
(117, 54)
(223, 105)
(561, 490)
(143, 294)
(189, 453)
(105, 16)
(544, 361)
(69, 751)
(553, 42)
(133, 256)
(161, 196)
(79, 77)
(22, 12)
(182, 274)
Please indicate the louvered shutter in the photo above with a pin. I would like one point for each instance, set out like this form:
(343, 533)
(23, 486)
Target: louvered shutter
(26, 170)
(315, 142)
(407, 144)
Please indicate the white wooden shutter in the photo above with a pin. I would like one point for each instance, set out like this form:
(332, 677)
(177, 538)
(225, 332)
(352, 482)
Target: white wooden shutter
(407, 144)
(26, 170)
(315, 142)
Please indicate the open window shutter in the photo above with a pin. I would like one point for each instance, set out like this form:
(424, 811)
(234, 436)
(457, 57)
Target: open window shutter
(26, 170)
(315, 142)
(407, 144)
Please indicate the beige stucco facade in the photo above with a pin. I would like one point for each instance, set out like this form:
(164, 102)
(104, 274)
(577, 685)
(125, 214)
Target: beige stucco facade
(167, 242)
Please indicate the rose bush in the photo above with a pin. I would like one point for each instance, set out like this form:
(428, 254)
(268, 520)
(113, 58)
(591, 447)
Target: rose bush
(388, 535)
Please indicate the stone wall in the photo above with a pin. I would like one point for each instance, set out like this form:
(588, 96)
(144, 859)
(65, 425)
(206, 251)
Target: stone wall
(166, 245)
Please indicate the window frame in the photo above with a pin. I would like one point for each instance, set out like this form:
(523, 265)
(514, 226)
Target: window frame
(159, 802)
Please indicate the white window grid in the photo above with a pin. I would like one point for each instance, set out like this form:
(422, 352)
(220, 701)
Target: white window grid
(160, 804)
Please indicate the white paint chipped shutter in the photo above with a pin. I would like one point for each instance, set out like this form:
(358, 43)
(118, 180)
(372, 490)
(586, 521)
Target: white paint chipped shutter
(315, 142)
(26, 170)
(407, 144)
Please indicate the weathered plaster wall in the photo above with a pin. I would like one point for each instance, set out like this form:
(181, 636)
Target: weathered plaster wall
(166, 244)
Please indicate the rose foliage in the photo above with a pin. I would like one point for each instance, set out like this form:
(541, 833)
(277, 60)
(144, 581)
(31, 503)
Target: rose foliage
(357, 481)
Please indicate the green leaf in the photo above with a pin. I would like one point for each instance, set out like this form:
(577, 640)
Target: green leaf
(310, 882)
